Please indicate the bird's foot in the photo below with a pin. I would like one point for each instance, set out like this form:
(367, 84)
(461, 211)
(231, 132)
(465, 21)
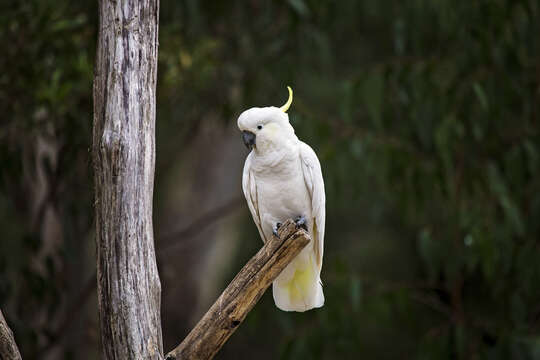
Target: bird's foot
(301, 222)
(276, 228)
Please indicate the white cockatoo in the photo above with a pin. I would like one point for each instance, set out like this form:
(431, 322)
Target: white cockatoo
(282, 179)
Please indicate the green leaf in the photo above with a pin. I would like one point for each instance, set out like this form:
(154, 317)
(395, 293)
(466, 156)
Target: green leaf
(481, 95)
(299, 7)
(356, 293)
(513, 214)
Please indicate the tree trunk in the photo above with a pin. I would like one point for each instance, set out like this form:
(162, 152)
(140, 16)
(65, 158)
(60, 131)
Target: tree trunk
(129, 290)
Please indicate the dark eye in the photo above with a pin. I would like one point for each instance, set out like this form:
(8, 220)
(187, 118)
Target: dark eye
(259, 127)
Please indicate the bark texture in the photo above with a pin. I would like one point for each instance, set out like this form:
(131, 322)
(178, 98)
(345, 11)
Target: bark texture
(231, 308)
(129, 290)
(8, 346)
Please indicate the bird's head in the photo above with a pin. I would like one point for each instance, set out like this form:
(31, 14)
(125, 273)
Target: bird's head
(266, 128)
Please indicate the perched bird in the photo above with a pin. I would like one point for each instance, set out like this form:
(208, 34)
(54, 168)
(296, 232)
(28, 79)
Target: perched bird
(282, 179)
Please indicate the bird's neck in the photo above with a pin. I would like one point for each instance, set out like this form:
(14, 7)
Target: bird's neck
(275, 154)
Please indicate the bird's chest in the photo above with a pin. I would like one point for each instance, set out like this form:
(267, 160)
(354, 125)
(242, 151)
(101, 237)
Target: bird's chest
(282, 192)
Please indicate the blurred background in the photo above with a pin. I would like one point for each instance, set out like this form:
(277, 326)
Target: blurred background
(425, 117)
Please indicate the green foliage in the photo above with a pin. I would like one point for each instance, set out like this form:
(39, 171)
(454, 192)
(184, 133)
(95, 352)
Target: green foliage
(45, 98)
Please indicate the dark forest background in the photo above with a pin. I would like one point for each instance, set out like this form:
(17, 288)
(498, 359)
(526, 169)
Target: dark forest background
(424, 114)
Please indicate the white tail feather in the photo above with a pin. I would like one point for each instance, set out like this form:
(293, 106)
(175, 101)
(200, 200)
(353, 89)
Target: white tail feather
(299, 286)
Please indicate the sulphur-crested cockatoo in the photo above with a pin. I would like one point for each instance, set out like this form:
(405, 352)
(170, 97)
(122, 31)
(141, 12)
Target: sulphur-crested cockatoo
(282, 179)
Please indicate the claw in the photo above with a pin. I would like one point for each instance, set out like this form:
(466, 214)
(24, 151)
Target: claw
(301, 222)
(276, 228)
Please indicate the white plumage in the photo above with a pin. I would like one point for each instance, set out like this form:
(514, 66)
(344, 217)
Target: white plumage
(282, 179)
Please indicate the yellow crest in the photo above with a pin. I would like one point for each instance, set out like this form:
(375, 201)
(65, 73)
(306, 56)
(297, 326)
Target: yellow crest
(285, 107)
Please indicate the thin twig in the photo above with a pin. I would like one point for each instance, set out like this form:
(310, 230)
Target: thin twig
(170, 241)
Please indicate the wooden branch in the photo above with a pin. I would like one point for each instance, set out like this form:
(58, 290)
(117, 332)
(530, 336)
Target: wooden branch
(8, 346)
(231, 308)
(129, 290)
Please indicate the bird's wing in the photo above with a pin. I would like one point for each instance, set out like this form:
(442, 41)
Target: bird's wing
(315, 184)
(249, 186)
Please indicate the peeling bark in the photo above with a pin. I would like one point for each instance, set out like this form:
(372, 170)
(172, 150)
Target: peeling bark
(129, 290)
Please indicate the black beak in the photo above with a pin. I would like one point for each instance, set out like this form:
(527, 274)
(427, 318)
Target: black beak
(249, 139)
